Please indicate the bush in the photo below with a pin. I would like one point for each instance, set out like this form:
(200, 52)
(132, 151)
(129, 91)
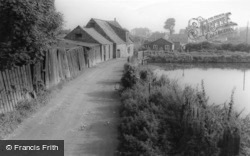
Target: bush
(210, 46)
(159, 118)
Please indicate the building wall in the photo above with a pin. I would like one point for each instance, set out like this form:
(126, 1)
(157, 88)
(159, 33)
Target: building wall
(106, 52)
(65, 45)
(102, 53)
(114, 50)
(110, 51)
(84, 38)
(130, 49)
(121, 50)
(177, 46)
(93, 56)
(98, 55)
(160, 45)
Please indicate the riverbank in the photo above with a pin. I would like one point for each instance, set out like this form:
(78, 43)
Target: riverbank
(198, 57)
(160, 118)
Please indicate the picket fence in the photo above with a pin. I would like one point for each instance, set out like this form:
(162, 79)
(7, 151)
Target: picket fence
(58, 65)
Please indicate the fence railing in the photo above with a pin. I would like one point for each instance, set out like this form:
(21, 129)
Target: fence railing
(58, 65)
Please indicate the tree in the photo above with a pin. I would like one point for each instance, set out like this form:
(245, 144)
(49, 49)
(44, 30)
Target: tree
(169, 25)
(27, 29)
(156, 35)
(143, 32)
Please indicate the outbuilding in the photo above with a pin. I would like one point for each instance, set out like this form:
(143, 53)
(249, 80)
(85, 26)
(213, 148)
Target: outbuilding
(161, 44)
(113, 32)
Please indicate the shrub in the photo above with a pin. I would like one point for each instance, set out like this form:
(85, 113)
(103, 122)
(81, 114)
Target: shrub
(159, 118)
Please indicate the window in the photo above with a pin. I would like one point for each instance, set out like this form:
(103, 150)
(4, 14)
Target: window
(78, 35)
(167, 48)
(155, 47)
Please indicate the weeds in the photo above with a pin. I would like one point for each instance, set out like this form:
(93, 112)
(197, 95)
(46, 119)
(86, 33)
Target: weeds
(168, 120)
(10, 121)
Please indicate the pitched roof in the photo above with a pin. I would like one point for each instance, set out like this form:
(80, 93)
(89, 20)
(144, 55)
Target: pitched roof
(84, 38)
(109, 31)
(79, 43)
(122, 33)
(115, 23)
(98, 37)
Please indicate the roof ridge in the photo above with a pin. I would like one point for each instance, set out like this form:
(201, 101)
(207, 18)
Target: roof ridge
(101, 19)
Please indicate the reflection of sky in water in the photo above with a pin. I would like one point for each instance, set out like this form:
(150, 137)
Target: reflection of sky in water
(219, 84)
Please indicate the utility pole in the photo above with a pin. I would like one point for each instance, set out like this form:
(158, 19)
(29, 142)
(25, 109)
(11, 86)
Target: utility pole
(247, 33)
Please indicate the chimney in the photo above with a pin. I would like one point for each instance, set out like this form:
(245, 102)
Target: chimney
(115, 19)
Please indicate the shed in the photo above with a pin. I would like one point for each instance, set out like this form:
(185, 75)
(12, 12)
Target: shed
(91, 36)
(161, 44)
(105, 29)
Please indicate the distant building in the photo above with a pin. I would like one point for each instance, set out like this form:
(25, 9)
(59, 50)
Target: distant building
(102, 40)
(161, 44)
(112, 31)
(179, 40)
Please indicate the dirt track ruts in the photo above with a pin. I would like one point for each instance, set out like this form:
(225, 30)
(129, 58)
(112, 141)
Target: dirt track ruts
(83, 113)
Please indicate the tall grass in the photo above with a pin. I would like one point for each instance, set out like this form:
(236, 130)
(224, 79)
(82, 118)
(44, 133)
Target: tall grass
(10, 121)
(159, 118)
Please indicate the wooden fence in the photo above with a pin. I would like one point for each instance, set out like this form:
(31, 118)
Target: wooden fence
(58, 65)
(14, 85)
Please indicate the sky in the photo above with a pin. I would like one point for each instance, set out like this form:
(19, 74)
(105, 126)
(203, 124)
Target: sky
(150, 13)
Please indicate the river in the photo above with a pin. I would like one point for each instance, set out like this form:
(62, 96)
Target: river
(218, 82)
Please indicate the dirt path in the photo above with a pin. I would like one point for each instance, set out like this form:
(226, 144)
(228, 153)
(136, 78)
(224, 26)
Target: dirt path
(84, 113)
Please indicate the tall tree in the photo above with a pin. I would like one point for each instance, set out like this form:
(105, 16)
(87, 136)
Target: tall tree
(169, 25)
(27, 28)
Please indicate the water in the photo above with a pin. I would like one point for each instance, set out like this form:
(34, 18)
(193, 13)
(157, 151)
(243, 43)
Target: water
(218, 83)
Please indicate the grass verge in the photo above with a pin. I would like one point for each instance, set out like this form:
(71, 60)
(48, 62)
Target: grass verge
(10, 121)
(24, 109)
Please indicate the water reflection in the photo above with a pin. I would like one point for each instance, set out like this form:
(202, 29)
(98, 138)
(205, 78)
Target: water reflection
(218, 82)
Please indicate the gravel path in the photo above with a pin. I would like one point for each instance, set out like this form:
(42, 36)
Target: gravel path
(84, 113)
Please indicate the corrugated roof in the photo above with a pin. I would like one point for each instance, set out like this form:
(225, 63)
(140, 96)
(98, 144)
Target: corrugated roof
(98, 37)
(109, 31)
(79, 43)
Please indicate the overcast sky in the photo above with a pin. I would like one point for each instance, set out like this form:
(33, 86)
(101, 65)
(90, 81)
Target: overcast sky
(150, 13)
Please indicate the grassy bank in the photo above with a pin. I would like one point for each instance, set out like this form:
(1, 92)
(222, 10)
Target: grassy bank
(158, 118)
(24, 109)
(201, 57)
(11, 120)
